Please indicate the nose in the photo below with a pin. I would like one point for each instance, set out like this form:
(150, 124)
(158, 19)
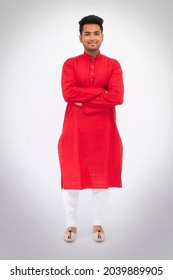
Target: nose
(92, 37)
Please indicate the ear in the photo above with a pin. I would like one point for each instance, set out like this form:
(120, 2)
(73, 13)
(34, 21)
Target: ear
(80, 38)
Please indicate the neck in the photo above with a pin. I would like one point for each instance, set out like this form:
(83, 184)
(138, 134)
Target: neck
(92, 53)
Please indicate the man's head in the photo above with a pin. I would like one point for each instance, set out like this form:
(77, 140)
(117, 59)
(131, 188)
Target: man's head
(91, 33)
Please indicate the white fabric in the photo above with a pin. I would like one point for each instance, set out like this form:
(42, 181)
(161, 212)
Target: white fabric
(99, 197)
(70, 202)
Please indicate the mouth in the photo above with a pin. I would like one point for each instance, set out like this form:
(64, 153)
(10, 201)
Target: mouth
(92, 44)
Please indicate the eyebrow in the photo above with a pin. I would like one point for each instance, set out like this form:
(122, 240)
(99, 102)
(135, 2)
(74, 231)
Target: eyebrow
(88, 32)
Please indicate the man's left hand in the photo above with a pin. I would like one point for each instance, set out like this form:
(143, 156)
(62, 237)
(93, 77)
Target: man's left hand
(78, 104)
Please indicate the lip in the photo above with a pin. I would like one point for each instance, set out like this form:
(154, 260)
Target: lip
(92, 44)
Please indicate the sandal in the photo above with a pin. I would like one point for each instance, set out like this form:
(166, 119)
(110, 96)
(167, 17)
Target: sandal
(70, 235)
(99, 235)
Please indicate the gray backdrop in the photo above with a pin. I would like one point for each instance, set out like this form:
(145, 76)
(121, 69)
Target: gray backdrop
(36, 38)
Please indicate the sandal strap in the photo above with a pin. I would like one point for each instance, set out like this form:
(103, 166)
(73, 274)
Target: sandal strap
(69, 233)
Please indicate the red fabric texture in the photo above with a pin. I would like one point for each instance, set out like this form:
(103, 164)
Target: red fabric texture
(90, 147)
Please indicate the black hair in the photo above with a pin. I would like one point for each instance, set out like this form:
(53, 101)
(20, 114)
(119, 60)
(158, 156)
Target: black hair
(89, 20)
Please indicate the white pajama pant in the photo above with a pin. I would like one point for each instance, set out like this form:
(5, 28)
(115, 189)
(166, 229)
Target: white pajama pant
(70, 202)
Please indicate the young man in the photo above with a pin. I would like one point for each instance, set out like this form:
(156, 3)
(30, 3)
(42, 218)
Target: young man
(90, 148)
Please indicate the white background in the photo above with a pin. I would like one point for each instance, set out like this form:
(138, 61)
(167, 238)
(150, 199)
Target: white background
(36, 38)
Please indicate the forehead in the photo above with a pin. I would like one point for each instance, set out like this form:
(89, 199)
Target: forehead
(91, 27)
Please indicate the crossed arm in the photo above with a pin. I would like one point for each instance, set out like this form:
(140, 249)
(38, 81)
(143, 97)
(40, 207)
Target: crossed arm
(93, 99)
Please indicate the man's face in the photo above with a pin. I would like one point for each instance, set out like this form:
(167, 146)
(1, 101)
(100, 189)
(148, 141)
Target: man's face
(91, 37)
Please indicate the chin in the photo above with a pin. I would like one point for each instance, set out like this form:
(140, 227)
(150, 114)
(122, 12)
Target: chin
(93, 49)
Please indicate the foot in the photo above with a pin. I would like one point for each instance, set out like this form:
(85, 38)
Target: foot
(70, 234)
(98, 233)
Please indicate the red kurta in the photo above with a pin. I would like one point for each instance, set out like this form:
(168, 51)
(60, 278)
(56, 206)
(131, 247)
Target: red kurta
(90, 148)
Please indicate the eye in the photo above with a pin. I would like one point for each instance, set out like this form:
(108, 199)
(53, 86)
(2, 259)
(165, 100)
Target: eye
(97, 33)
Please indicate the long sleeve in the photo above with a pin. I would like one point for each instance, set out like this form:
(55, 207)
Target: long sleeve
(114, 95)
(70, 89)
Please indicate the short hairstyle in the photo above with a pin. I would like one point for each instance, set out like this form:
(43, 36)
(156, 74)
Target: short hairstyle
(91, 19)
